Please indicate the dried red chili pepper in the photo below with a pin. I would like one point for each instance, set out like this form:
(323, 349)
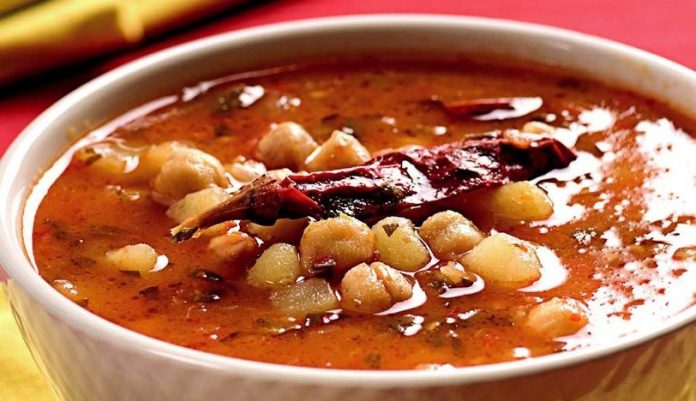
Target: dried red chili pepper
(413, 182)
(501, 108)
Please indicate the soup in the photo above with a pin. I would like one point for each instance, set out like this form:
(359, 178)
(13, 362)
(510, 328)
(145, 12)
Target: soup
(570, 224)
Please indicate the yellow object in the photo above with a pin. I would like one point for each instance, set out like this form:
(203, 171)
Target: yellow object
(20, 379)
(55, 32)
(157, 15)
(10, 5)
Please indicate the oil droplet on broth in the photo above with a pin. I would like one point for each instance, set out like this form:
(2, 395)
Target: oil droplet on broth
(562, 184)
(553, 272)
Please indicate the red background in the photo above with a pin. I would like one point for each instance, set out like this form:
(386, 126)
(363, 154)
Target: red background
(662, 27)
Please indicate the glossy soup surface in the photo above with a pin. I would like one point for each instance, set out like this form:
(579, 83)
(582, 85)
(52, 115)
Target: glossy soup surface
(621, 240)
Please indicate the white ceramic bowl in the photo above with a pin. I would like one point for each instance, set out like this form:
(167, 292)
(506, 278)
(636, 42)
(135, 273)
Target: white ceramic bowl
(89, 358)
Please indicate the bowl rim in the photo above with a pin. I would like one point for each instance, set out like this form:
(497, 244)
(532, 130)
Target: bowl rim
(21, 272)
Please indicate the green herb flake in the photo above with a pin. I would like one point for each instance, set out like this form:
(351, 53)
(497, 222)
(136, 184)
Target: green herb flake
(149, 292)
(373, 360)
(221, 130)
(390, 228)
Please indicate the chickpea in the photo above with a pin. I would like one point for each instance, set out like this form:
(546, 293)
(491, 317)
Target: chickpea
(339, 151)
(518, 201)
(280, 173)
(311, 296)
(154, 157)
(453, 274)
(137, 258)
(184, 173)
(196, 203)
(233, 245)
(399, 245)
(245, 170)
(344, 241)
(399, 288)
(283, 230)
(504, 260)
(450, 234)
(373, 288)
(277, 266)
(556, 318)
(537, 127)
(108, 158)
(286, 145)
(521, 140)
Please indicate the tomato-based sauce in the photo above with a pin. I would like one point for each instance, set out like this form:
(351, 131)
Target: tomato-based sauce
(621, 239)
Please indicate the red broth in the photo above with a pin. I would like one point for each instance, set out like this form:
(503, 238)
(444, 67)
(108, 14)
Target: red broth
(622, 239)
